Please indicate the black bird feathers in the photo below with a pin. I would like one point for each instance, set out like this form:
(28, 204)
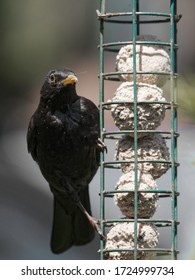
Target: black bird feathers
(63, 139)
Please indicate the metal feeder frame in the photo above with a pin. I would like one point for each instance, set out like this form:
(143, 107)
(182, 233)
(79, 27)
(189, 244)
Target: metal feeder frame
(134, 19)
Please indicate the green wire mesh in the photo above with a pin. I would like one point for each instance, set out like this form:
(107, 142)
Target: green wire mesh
(135, 18)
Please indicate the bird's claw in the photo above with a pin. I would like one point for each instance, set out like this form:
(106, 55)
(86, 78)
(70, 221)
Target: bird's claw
(95, 224)
(101, 145)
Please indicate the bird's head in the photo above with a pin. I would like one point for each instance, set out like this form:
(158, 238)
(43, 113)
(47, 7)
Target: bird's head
(61, 78)
(59, 83)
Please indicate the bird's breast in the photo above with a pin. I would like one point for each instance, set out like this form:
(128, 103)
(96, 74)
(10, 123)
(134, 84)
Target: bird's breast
(62, 141)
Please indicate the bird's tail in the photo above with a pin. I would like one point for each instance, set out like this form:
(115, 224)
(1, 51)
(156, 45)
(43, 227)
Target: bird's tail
(70, 226)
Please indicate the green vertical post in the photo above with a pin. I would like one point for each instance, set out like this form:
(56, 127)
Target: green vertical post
(101, 100)
(173, 88)
(134, 34)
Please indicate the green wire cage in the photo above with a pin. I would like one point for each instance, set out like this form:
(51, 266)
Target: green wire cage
(134, 19)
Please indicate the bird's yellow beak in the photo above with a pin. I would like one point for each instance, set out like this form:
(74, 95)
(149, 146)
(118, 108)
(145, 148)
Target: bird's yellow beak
(69, 80)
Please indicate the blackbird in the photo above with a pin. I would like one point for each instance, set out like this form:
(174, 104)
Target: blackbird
(63, 138)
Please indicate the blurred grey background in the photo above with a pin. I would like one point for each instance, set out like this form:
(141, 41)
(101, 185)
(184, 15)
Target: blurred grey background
(37, 36)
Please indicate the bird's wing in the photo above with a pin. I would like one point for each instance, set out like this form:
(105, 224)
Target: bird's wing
(32, 139)
(90, 118)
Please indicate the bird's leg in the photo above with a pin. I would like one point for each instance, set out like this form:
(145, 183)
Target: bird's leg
(75, 198)
(94, 223)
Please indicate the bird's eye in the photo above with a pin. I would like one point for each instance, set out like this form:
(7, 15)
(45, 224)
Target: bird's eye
(52, 78)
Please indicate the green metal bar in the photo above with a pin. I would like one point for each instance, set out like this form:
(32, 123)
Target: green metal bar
(134, 33)
(140, 131)
(158, 251)
(101, 100)
(139, 250)
(138, 161)
(159, 222)
(138, 102)
(131, 72)
(165, 17)
(173, 88)
(141, 21)
(139, 191)
(110, 15)
(121, 43)
(109, 76)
